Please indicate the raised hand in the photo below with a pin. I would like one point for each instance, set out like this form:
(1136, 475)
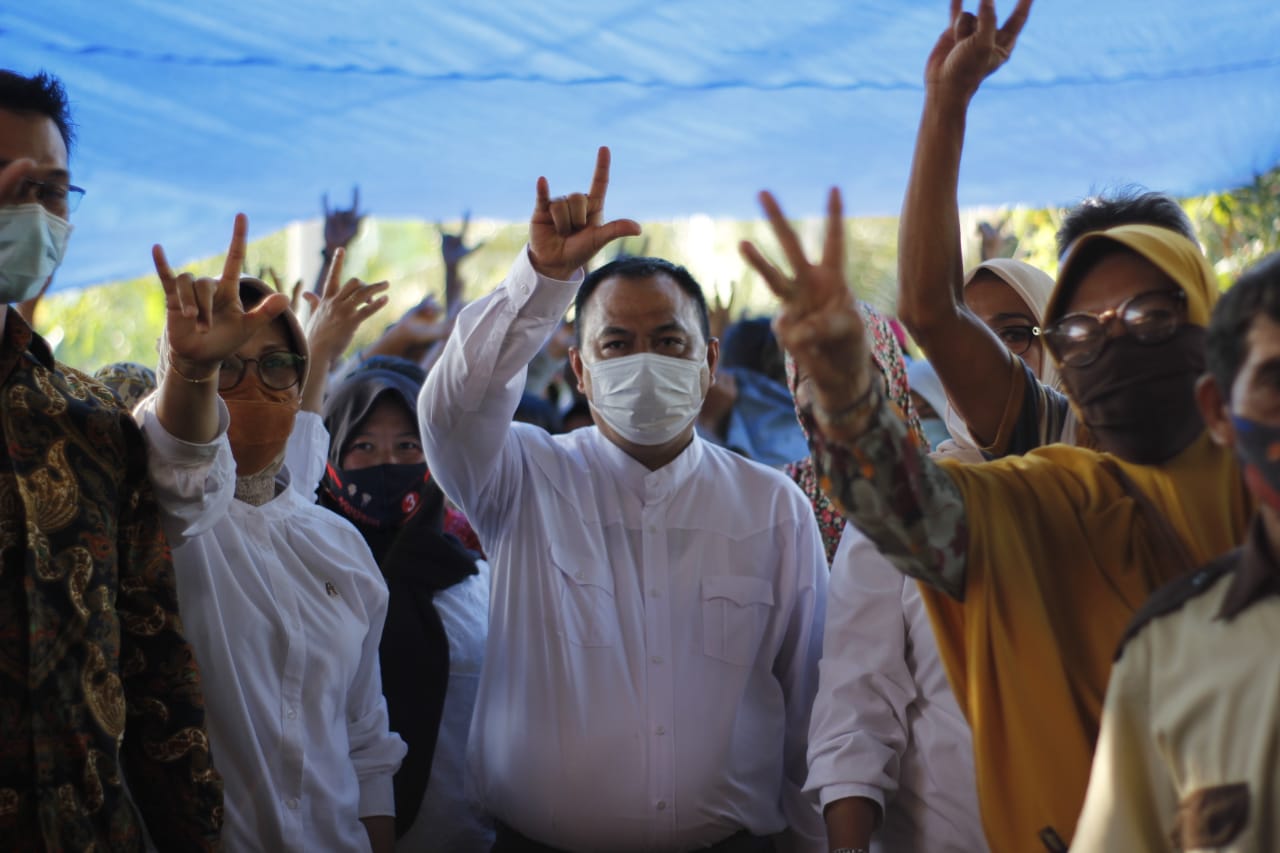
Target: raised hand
(294, 293)
(720, 313)
(340, 226)
(338, 312)
(453, 247)
(566, 232)
(972, 47)
(204, 319)
(818, 322)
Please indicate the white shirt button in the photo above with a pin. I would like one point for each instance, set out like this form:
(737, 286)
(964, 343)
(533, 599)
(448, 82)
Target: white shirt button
(660, 730)
(581, 575)
(291, 713)
(656, 659)
(653, 528)
(662, 805)
(653, 593)
(293, 802)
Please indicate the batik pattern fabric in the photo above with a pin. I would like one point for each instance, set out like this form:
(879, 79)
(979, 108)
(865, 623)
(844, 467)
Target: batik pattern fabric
(886, 485)
(96, 681)
(887, 356)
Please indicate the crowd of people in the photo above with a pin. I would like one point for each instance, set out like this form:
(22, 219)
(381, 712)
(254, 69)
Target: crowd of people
(644, 580)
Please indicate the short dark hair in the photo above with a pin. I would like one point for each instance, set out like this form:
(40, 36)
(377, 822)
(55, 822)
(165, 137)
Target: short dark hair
(1255, 293)
(1129, 205)
(42, 93)
(641, 268)
(750, 343)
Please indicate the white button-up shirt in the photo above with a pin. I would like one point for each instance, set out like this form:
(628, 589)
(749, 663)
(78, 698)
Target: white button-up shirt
(886, 725)
(654, 635)
(284, 607)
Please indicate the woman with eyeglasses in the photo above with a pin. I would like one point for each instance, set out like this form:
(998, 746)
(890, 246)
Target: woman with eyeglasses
(1010, 297)
(281, 599)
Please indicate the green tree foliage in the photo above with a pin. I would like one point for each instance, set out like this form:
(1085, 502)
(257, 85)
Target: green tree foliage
(122, 321)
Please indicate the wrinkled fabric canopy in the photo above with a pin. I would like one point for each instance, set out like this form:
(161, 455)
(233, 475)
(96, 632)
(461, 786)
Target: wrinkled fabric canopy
(189, 112)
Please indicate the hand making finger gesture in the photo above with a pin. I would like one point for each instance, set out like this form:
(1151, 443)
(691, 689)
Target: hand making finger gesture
(566, 232)
(341, 226)
(338, 312)
(972, 47)
(204, 319)
(453, 247)
(819, 322)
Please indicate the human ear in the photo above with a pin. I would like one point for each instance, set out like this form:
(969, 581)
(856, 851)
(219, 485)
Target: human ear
(575, 362)
(1215, 411)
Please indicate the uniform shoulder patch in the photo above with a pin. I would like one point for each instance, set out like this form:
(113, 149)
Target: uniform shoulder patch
(1172, 596)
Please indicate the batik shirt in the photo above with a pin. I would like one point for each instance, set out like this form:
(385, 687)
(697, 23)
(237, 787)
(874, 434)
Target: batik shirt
(96, 681)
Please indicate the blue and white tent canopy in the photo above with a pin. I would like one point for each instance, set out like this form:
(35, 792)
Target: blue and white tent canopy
(189, 112)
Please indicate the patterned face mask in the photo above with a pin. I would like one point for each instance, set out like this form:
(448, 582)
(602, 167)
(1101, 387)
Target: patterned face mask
(1258, 446)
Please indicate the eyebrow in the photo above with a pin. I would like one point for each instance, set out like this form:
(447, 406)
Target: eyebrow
(999, 318)
(55, 173)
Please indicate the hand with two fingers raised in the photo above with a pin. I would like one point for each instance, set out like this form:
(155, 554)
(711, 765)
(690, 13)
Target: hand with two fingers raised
(818, 322)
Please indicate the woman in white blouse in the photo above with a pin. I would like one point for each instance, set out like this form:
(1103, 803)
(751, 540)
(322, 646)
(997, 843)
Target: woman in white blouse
(280, 598)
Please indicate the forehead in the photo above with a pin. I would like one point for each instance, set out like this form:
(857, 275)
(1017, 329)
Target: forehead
(989, 296)
(1116, 277)
(34, 135)
(388, 413)
(1262, 345)
(638, 304)
(273, 336)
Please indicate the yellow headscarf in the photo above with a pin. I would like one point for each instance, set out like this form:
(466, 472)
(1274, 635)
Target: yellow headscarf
(1061, 551)
(1175, 255)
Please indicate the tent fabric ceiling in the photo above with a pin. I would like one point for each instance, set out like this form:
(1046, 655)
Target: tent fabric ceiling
(190, 112)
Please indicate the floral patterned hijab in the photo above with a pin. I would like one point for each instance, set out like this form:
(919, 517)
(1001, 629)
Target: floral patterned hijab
(887, 355)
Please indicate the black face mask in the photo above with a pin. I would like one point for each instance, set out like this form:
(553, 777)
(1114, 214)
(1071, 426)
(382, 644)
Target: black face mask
(1138, 400)
(378, 497)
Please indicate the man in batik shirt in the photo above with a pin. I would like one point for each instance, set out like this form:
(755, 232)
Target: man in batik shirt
(97, 686)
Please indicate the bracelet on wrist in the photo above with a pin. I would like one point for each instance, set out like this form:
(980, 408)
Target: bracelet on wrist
(178, 373)
(846, 415)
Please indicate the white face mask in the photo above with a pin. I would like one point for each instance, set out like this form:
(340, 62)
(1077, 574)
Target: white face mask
(647, 399)
(32, 243)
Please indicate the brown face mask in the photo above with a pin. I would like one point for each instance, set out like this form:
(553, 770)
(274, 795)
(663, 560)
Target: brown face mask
(1138, 400)
(261, 421)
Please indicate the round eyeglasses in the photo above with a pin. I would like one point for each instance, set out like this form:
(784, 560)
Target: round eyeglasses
(1150, 318)
(1018, 339)
(276, 370)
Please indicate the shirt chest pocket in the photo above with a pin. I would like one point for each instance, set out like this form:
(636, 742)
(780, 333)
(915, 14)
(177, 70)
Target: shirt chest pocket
(735, 611)
(584, 588)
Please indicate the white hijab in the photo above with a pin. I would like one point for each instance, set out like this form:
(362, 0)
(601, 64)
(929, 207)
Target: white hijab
(1034, 287)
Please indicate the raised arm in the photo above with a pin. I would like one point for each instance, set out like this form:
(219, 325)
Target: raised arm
(336, 314)
(467, 403)
(972, 362)
(340, 228)
(204, 323)
(867, 460)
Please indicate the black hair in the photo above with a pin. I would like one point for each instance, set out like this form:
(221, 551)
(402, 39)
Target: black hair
(641, 268)
(532, 409)
(392, 363)
(1130, 205)
(42, 93)
(750, 343)
(1256, 293)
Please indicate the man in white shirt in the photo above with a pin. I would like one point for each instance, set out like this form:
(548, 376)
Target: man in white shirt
(890, 753)
(657, 602)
